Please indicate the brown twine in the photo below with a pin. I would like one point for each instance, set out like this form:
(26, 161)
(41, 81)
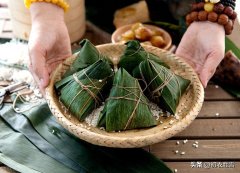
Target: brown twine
(133, 115)
(166, 79)
(138, 99)
(139, 48)
(125, 97)
(86, 88)
(20, 96)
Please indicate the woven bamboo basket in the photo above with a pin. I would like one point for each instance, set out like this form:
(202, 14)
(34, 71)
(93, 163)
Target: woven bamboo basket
(74, 19)
(187, 110)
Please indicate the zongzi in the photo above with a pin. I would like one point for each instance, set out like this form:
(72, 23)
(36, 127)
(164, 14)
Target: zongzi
(126, 107)
(85, 90)
(134, 54)
(160, 84)
(87, 55)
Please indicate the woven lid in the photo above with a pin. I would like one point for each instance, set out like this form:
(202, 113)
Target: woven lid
(187, 110)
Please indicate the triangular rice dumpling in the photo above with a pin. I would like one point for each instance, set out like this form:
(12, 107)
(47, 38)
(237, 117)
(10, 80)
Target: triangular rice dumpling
(126, 107)
(87, 55)
(161, 85)
(134, 54)
(85, 90)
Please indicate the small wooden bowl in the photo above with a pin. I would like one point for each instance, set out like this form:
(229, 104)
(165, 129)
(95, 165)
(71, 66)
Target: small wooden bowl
(116, 36)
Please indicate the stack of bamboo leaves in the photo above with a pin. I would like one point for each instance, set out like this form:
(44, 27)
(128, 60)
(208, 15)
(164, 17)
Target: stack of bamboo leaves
(141, 76)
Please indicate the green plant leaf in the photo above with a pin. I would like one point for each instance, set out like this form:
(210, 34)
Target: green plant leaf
(103, 159)
(229, 45)
(134, 54)
(87, 55)
(27, 130)
(15, 146)
(161, 85)
(127, 107)
(82, 92)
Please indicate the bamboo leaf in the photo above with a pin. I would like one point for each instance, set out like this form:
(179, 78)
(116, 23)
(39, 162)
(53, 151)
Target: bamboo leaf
(134, 54)
(127, 107)
(161, 85)
(227, 75)
(85, 90)
(232, 90)
(16, 166)
(87, 55)
(27, 130)
(229, 45)
(16, 147)
(104, 159)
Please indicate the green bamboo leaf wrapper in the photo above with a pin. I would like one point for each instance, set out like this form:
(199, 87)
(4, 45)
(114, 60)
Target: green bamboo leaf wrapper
(134, 54)
(92, 158)
(85, 90)
(161, 85)
(127, 107)
(15, 165)
(28, 131)
(229, 45)
(14, 145)
(87, 55)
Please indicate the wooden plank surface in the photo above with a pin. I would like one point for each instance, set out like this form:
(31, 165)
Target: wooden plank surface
(214, 92)
(212, 129)
(220, 109)
(207, 150)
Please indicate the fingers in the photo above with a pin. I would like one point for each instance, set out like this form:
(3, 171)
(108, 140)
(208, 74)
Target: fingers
(209, 67)
(39, 69)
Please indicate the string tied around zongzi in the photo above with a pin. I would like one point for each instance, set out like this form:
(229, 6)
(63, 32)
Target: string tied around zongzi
(163, 87)
(137, 98)
(84, 91)
(126, 107)
(163, 75)
(87, 88)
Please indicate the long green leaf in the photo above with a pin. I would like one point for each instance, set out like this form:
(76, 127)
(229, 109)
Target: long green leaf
(27, 130)
(104, 159)
(232, 90)
(15, 146)
(16, 166)
(229, 45)
(46, 125)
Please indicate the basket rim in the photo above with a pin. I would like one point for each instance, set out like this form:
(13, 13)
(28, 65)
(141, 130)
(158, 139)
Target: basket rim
(123, 141)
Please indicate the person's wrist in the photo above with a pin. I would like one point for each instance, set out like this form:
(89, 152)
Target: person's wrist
(46, 12)
(207, 25)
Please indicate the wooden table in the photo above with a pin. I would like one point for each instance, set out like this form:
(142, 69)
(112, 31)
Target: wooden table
(216, 130)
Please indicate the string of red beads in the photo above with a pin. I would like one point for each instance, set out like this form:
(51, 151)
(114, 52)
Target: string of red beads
(223, 15)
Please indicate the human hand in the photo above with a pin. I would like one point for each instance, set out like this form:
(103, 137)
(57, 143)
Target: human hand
(49, 42)
(203, 46)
